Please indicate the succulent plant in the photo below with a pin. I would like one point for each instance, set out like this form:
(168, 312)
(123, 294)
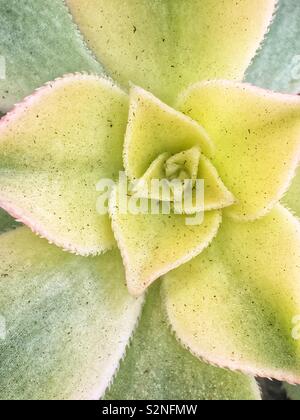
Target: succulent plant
(150, 299)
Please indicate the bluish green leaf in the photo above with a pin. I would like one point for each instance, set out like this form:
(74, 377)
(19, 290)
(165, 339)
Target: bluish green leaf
(277, 66)
(65, 320)
(38, 42)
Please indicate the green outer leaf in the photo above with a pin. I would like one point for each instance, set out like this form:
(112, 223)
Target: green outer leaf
(236, 304)
(293, 392)
(166, 45)
(6, 222)
(157, 367)
(39, 42)
(68, 320)
(277, 66)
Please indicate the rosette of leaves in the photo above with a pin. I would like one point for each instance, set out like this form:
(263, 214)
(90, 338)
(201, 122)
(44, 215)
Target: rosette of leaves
(177, 302)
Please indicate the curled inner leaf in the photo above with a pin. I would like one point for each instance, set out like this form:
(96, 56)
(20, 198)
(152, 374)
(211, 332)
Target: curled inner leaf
(169, 169)
(167, 153)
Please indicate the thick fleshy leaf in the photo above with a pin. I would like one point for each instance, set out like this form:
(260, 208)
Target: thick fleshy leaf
(277, 66)
(235, 305)
(166, 45)
(6, 222)
(184, 165)
(153, 244)
(68, 320)
(157, 367)
(292, 198)
(54, 149)
(38, 42)
(257, 138)
(293, 392)
(153, 129)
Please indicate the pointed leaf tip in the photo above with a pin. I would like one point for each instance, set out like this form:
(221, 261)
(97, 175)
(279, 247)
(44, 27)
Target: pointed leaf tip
(153, 244)
(55, 147)
(257, 138)
(167, 45)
